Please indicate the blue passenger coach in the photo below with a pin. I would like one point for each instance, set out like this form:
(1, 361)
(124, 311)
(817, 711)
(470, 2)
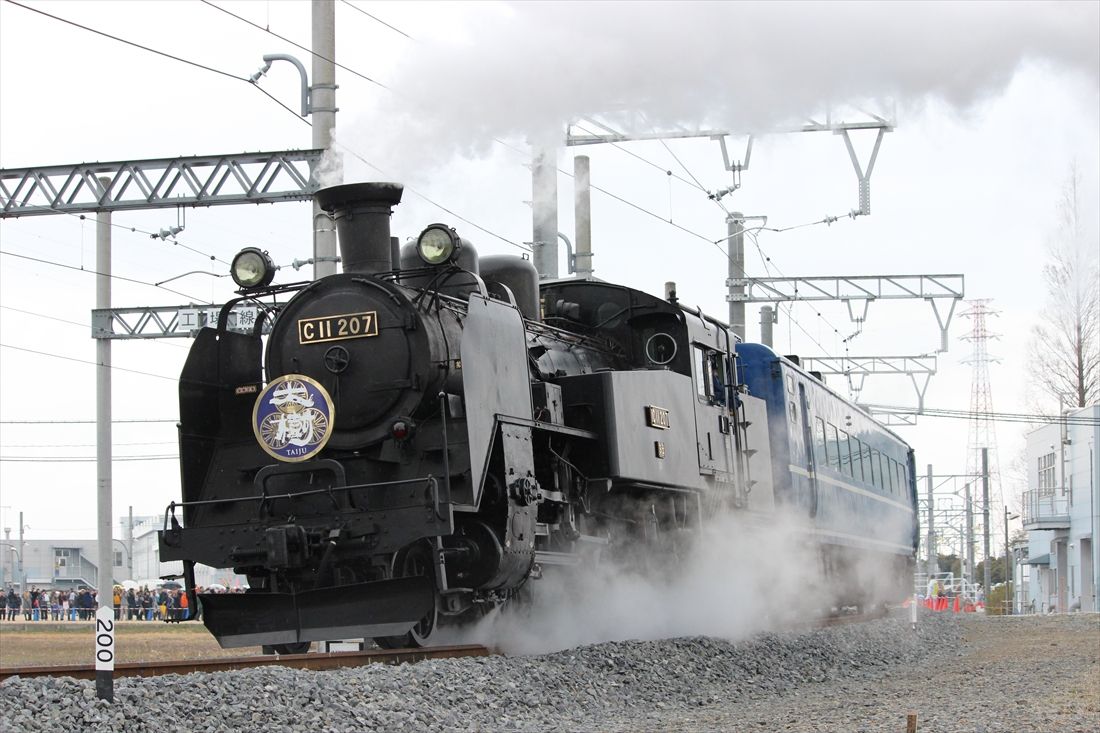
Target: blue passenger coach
(837, 467)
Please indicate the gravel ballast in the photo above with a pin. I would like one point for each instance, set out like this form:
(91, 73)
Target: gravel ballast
(956, 673)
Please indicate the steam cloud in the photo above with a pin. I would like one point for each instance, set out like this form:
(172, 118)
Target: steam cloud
(523, 71)
(738, 579)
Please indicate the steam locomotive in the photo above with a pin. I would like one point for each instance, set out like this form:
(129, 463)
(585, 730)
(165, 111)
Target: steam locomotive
(430, 430)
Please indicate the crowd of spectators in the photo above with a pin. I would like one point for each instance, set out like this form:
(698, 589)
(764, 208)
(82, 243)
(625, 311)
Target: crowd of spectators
(132, 604)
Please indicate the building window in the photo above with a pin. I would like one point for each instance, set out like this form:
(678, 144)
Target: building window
(118, 559)
(1046, 474)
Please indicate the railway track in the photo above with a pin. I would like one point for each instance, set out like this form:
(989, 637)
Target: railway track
(315, 661)
(321, 661)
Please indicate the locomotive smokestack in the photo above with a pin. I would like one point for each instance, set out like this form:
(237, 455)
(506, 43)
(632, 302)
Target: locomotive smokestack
(362, 215)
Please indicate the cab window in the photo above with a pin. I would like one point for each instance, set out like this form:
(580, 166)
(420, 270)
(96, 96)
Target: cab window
(710, 369)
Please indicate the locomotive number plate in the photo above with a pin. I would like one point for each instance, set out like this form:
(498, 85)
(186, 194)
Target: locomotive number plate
(337, 328)
(657, 417)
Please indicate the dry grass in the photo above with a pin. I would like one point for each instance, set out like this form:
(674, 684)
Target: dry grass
(49, 643)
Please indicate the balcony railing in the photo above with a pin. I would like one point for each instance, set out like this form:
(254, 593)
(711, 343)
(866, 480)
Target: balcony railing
(1046, 509)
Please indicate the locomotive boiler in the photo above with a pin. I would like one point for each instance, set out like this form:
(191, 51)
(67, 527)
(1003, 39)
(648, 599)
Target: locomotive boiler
(430, 430)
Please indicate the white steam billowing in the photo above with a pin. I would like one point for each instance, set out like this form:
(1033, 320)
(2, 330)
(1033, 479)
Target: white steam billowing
(740, 578)
(523, 71)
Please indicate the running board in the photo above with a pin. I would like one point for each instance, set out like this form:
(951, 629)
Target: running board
(360, 611)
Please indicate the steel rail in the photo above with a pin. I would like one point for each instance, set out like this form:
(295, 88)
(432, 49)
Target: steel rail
(330, 660)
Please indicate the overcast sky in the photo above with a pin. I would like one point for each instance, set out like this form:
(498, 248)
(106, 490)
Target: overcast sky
(994, 103)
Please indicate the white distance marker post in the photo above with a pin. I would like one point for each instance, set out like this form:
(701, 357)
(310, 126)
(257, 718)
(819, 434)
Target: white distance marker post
(105, 653)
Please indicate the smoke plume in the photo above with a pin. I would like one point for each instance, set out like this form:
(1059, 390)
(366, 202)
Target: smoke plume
(523, 71)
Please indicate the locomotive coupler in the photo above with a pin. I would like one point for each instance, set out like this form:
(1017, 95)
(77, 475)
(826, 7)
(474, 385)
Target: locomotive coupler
(286, 546)
(525, 491)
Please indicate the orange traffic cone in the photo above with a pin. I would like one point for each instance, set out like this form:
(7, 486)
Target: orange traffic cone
(956, 608)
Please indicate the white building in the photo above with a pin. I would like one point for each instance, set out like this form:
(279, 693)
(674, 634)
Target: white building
(71, 563)
(1062, 515)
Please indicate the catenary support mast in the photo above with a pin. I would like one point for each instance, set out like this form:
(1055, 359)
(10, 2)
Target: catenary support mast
(105, 543)
(323, 109)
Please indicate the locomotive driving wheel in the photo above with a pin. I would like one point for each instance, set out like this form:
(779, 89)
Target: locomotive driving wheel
(418, 559)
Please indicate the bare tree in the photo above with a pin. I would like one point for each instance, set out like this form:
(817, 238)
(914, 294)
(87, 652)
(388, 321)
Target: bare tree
(1067, 337)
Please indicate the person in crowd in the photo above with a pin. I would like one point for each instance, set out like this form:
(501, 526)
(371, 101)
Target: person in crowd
(64, 594)
(162, 605)
(55, 606)
(146, 605)
(131, 605)
(116, 601)
(26, 605)
(14, 602)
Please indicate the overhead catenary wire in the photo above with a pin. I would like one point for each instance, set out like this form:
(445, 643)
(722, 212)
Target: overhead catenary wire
(417, 193)
(84, 445)
(765, 260)
(377, 19)
(96, 272)
(142, 421)
(308, 50)
(85, 361)
(1013, 417)
(357, 155)
(77, 323)
(82, 459)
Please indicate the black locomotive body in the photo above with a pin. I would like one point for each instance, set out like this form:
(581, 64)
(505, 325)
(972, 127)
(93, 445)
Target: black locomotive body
(480, 428)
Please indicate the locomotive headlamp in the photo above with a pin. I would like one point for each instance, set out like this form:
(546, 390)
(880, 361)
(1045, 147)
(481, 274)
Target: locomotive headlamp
(437, 244)
(252, 268)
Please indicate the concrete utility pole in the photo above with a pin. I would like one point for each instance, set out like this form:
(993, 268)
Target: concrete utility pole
(968, 560)
(323, 109)
(582, 213)
(930, 544)
(1010, 597)
(735, 225)
(767, 318)
(130, 543)
(544, 214)
(987, 580)
(22, 554)
(104, 549)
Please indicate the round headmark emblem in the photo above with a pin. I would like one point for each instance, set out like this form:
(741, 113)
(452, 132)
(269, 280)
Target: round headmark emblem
(292, 418)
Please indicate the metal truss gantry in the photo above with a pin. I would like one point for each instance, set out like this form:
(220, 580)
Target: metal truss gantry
(843, 125)
(205, 180)
(175, 321)
(856, 369)
(858, 120)
(857, 289)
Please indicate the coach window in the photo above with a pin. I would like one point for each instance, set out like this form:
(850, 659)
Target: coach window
(846, 452)
(857, 459)
(890, 466)
(819, 441)
(834, 443)
(876, 469)
(868, 467)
